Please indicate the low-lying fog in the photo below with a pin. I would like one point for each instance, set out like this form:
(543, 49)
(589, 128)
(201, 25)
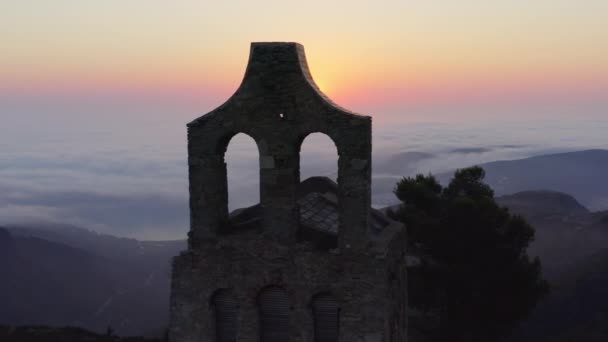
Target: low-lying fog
(128, 176)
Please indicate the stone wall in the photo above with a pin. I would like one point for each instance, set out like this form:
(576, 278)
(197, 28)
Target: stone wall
(371, 301)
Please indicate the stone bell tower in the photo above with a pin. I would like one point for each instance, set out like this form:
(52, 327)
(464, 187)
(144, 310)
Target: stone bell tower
(268, 281)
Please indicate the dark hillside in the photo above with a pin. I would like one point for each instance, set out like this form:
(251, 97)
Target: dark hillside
(55, 284)
(577, 309)
(566, 232)
(66, 334)
(573, 246)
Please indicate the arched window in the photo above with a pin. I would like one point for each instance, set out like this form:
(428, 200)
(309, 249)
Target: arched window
(273, 306)
(318, 157)
(243, 172)
(326, 313)
(226, 315)
(318, 197)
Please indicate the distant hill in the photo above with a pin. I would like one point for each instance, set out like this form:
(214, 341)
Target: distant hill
(566, 231)
(63, 334)
(544, 203)
(582, 174)
(106, 245)
(70, 276)
(572, 243)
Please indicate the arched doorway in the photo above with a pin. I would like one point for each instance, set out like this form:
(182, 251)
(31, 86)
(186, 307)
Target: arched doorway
(273, 304)
(326, 313)
(226, 310)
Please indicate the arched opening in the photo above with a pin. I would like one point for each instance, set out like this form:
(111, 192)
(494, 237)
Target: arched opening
(326, 314)
(318, 191)
(243, 172)
(318, 157)
(273, 305)
(226, 311)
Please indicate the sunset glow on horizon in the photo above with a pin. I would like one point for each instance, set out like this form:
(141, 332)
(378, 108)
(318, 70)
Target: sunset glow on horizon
(364, 54)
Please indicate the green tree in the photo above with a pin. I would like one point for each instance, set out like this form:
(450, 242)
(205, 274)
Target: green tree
(475, 276)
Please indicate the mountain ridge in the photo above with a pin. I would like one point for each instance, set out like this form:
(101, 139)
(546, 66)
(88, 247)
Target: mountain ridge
(56, 284)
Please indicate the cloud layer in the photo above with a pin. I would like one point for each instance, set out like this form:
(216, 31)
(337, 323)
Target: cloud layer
(127, 174)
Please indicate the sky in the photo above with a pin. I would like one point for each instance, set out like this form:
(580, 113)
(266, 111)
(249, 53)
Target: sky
(365, 54)
(95, 95)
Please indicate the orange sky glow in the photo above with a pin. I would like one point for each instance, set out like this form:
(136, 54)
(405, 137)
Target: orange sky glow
(361, 53)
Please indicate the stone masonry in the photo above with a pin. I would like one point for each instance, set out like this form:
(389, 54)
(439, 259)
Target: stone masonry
(278, 105)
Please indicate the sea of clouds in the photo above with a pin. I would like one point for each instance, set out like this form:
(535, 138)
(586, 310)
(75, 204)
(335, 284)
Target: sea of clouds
(122, 170)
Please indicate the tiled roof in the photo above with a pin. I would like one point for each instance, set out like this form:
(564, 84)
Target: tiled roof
(318, 212)
(318, 205)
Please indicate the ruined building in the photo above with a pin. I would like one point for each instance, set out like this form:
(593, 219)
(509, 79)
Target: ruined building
(312, 261)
